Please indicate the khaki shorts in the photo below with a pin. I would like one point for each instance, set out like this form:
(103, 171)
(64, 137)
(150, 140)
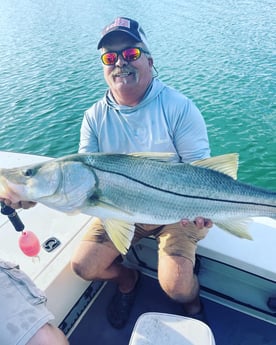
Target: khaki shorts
(23, 310)
(173, 239)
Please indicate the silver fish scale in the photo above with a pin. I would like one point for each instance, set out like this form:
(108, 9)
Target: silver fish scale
(166, 192)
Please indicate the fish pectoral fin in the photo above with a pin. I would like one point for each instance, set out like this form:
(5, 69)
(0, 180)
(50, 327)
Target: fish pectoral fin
(226, 164)
(238, 227)
(120, 233)
(156, 156)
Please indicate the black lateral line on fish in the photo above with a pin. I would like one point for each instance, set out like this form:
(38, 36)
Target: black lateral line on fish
(184, 195)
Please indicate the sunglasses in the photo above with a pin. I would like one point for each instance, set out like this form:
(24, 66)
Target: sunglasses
(128, 54)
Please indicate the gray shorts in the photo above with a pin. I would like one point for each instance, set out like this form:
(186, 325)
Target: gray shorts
(23, 311)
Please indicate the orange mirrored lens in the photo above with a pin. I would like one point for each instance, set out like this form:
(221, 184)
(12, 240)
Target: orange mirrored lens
(109, 58)
(129, 54)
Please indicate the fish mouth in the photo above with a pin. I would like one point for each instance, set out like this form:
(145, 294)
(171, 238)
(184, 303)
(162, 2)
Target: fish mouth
(7, 191)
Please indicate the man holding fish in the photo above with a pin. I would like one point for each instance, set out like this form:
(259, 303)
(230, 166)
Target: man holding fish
(143, 166)
(140, 114)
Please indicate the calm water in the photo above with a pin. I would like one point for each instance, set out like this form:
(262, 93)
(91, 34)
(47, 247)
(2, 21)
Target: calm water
(222, 54)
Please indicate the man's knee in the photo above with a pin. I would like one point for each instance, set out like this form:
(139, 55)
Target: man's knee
(85, 260)
(94, 262)
(179, 288)
(176, 278)
(80, 269)
(77, 268)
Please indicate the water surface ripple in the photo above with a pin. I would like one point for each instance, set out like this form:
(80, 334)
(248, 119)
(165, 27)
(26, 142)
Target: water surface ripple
(220, 54)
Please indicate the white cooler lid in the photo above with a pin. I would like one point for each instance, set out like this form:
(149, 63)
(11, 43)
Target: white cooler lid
(168, 329)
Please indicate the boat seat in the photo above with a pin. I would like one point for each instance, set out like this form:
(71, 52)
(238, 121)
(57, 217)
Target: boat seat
(154, 328)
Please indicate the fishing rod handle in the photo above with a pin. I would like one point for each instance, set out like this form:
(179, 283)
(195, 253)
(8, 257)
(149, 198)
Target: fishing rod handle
(13, 217)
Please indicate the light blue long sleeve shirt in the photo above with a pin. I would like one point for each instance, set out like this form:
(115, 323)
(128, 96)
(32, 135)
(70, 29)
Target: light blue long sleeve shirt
(164, 121)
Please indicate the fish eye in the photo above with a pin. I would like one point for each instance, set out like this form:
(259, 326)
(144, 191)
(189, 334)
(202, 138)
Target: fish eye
(28, 172)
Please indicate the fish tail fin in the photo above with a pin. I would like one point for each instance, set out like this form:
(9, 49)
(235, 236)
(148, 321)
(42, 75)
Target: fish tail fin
(238, 227)
(268, 221)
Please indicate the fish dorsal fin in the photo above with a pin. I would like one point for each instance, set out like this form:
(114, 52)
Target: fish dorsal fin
(120, 233)
(226, 164)
(157, 156)
(237, 227)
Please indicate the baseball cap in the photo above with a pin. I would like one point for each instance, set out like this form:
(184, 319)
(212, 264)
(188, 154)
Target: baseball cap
(127, 25)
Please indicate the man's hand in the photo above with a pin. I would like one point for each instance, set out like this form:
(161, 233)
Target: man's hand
(199, 222)
(19, 204)
(197, 229)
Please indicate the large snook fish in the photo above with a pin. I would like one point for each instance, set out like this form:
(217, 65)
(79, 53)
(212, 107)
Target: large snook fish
(142, 188)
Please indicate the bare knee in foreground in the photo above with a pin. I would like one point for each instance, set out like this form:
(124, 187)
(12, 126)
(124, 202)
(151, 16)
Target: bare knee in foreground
(48, 335)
